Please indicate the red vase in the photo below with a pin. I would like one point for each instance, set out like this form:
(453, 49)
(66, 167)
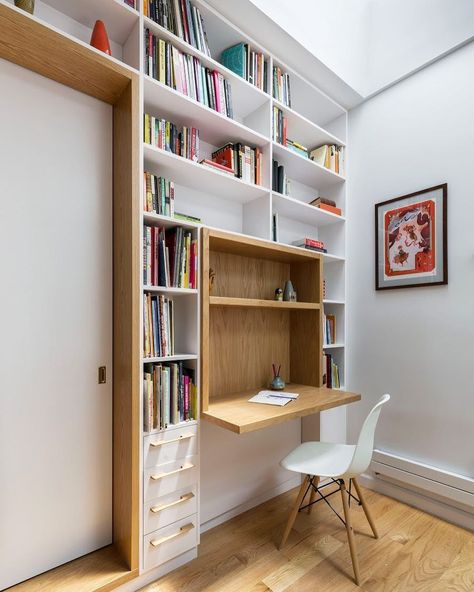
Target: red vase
(100, 39)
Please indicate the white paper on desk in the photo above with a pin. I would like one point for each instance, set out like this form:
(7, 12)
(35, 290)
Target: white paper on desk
(273, 398)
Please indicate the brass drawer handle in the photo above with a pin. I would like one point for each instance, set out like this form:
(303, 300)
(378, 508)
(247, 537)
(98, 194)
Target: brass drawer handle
(183, 498)
(183, 530)
(178, 439)
(161, 475)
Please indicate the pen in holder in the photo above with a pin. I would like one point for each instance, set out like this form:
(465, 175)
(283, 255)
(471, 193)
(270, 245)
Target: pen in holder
(278, 384)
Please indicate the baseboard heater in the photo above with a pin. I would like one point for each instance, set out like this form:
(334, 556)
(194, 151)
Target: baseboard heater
(451, 488)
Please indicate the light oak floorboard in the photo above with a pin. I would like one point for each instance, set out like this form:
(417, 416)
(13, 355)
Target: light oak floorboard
(415, 552)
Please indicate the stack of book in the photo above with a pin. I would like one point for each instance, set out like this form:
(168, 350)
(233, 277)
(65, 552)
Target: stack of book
(238, 160)
(281, 86)
(280, 124)
(250, 65)
(330, 372)
(187, 218)
(311, 244)
(297, 147)
(167, 136)
(185, 73)
(280, 181)
(158, 326)
(328, 205)
(169, 395)
(158, 195)
(330, 156)
(181, 18)
(169, 257)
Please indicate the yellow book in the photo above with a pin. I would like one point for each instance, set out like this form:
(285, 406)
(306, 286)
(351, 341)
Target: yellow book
(162, 61)
(147, 129)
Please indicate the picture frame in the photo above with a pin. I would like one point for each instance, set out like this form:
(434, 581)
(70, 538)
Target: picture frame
(411, 240)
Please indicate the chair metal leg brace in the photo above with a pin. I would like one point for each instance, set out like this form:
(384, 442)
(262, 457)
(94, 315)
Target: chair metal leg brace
(324, 497)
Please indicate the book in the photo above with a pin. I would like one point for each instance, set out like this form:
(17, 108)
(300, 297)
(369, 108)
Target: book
(310, 242)
(169, 257)
(280, 182)
(215, 165)
(181, 18)
(281, 86)
(329, 208)
(279, 398)
(246, 63)
(169, 395)
(187, 217)
(158, 195)
(330, 156)
(275, 230)
(297, 147)
(167, 136)
(185, 73)
(322, 200)
(245, 162)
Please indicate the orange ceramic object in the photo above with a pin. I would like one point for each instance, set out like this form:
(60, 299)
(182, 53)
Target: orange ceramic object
(100, 39)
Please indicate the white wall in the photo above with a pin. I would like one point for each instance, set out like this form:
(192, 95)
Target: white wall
(418, 343)
(405, 34)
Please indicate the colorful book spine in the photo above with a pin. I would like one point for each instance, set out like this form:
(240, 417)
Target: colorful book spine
(167, 136)
(281, 86)
(250, 65)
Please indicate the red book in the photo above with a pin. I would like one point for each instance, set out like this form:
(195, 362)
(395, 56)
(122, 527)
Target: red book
(312, 242)
(215, 79)
(216, 165)
(184, 18)
(225, 157)
(331, 209)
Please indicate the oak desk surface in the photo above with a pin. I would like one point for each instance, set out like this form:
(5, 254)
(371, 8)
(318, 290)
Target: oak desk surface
(235, 413)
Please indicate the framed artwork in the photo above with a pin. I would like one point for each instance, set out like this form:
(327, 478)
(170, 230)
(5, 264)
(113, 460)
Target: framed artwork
(411, 248)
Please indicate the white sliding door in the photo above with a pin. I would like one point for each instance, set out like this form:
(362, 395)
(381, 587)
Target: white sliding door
(55, 324)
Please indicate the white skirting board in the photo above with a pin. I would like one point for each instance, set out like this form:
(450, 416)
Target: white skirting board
(442, 493)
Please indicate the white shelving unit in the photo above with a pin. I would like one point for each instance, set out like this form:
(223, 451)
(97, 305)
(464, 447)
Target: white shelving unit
(170, 458)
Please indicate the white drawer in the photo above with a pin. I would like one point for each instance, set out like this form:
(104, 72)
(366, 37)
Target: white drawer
(167, 509)
(170, 445)
(169, 542)
(170, 477)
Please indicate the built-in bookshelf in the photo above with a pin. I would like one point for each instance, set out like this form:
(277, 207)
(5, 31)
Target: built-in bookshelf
(212, 198)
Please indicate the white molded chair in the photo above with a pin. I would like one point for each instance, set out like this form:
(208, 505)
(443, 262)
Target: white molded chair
(342, 463)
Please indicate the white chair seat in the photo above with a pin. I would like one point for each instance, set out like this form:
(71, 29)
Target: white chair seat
(320, 458)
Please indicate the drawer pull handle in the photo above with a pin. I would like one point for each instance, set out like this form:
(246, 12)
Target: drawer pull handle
(178, 439)
(161, 475)
(183, 530)
(183, 498)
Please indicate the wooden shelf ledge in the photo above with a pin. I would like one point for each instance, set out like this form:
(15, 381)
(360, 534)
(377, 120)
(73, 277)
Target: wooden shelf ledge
(257, 303)
(235, 413)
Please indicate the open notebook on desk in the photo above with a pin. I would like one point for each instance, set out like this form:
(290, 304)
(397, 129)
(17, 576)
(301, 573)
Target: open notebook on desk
(279, 398)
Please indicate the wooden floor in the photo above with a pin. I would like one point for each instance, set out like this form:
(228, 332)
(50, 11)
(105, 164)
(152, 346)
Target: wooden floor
(415, 552)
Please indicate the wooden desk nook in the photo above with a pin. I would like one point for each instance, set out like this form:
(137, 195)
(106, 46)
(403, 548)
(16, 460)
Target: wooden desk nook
(244, 331)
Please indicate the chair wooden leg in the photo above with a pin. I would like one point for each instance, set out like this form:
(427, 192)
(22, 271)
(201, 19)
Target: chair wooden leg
(350, 532)
(313, 493)
(365, 507)
(294, 511)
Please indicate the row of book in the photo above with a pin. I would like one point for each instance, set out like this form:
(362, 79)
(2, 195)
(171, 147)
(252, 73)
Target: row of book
(181, 18)
(330, 156)
(330, 372)
(329, 329)
(169, 395)
(246, 63)
(158, 326)
(185, 73)
(312, 244)
(167, 136)
(238, 160)
(280, 181)
(158, 195)
(281, 86)
(170, 257)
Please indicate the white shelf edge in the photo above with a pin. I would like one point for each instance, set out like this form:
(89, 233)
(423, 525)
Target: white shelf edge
(170, 290)
(192, 163)
(175, 358)
(309, 208)
(333, 258)
(306, 121)
(260, 139)
(330, 301)
(333, 346)
(206, 60)
(171, 427)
